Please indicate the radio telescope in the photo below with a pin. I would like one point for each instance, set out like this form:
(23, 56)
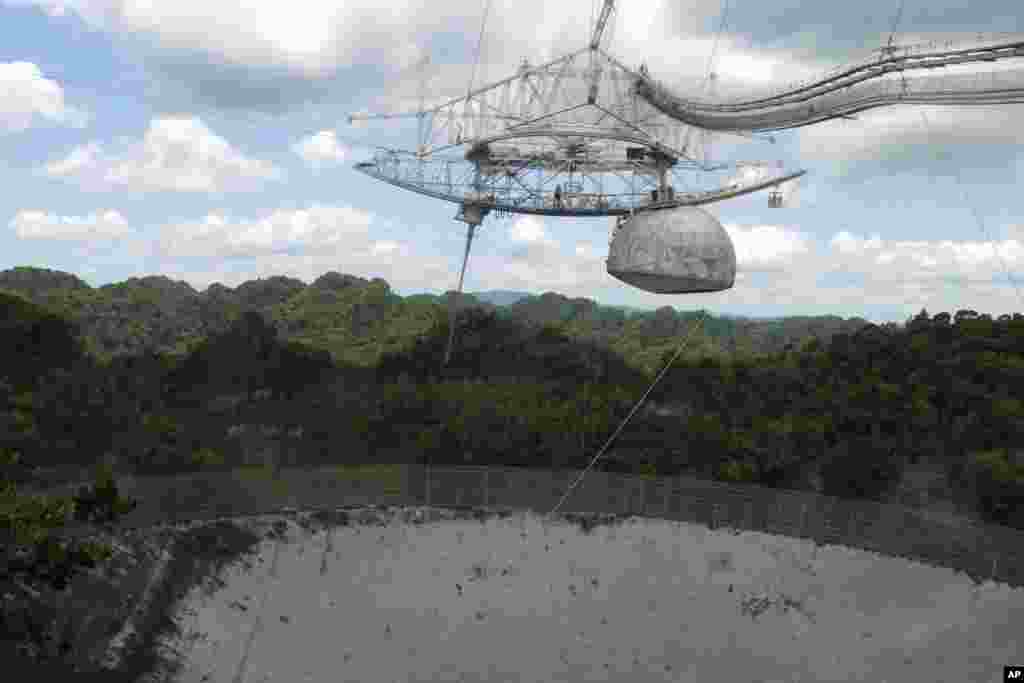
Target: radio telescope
(585, 135)
(571, 138)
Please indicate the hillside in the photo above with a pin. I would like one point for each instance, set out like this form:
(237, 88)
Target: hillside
(929, 415)
(500, 297)
(358, 320)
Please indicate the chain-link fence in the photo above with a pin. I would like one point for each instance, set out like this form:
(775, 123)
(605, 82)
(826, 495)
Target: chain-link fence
(983, 551)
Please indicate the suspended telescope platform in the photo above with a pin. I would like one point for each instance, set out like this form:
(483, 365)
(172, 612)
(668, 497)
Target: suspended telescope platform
(454, 181)
(584, 135)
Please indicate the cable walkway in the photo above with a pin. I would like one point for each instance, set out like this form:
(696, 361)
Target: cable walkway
(896, 75)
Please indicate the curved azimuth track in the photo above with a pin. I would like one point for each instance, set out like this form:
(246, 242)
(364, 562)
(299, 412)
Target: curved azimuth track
(896, 75)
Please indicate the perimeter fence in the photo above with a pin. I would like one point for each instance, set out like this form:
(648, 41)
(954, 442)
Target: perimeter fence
(983, 551)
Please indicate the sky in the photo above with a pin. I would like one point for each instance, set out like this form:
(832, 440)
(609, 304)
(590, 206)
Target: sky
(208, 142)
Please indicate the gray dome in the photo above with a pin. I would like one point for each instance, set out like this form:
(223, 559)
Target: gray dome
(673, 251)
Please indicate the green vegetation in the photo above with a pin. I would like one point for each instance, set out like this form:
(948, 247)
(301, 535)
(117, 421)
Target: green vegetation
(148, 376)
(837, 405)
(30, 525)
(737, 472)
(1000, 486)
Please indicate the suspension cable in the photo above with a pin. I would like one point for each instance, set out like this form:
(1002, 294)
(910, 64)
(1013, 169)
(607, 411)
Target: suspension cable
(980, 221)
(682, 345)
(895, 23)
(479, 46)
(718, 34)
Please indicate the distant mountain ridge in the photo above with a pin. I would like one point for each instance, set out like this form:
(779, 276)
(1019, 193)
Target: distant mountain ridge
(357, 320)
(500, 297)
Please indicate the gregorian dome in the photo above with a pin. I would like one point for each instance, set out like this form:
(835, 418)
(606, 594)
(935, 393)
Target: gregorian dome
(681, 250)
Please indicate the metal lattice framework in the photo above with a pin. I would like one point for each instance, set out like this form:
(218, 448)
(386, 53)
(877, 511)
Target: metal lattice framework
(584, 135)
(570, 137)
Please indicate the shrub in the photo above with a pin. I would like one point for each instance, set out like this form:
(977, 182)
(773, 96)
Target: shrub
(1000, 487)
(31, 546)
(160, 424)
(861, 470)
(648, 471)
(101, 502)
(736, 471)
(207, 457)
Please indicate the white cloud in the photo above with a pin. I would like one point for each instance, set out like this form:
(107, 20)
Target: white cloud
(27, 94)
(295, 231)
(176, 154)
(321, 149)
(385, 247)
(105, 225)
(529, 229)
(924, 261)
(310, 36)
(852, 272)
(878, 131)
(82, 159)
(767, 247)
(302, 243)
(847, 243)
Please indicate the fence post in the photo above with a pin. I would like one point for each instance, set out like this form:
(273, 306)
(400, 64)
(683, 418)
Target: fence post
(487, 497)
(643, 496)
(803, 519)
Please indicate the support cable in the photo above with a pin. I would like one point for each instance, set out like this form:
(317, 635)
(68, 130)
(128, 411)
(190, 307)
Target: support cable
(981, 224)
(479, 46)
(718, 34)
(471, 227)
(636, 407)
(451, 307)
(895, 23)
(892, 36)
(979, 220)
(709, 77)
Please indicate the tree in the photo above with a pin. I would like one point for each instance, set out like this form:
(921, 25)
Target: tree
(862, 469)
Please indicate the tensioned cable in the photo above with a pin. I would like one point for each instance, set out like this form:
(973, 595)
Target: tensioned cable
(705, 135)
(682, 344)
(479, 46)
(896, 22)
(470, 228)
(718, 34)
(980, 221)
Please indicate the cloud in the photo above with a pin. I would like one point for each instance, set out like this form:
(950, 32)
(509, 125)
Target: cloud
(880, 132)
(301, 243)
(851, 272)
(27, 94)
(920, 261)
(176, 154)
(848, 243)
(321, 149)
(270, 55)
(307, 36)
(767, 247)
(283, 231)
(529, 229)
(105, 225)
